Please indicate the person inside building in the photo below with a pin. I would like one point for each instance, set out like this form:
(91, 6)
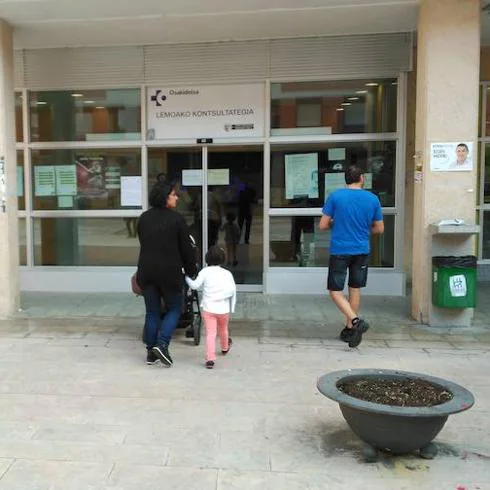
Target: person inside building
(165, 250)
(353, 214)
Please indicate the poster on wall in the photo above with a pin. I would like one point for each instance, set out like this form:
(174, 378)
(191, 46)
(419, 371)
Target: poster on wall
(301, 175)
(205, 111)
(451, 157)
(334, 181)
(113, 177)
(44, 181)
(66, 180)
(90, 176)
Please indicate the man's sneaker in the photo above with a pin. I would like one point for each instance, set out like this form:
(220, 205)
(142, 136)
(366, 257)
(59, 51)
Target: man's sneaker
(151, 357)
(209, 364)
(346, 334)
(359, 326)
(224, 352)
(161, 351)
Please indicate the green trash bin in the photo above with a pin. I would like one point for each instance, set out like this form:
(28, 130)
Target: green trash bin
(454, 281)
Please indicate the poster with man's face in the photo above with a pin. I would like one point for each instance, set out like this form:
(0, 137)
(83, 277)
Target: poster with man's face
(451, 157)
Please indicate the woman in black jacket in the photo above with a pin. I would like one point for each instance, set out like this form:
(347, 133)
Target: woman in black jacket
(165, 251)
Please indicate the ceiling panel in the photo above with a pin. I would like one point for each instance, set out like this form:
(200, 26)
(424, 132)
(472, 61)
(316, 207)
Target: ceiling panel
(223, 27)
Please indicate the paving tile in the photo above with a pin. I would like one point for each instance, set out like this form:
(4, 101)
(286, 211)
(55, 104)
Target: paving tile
(131, 477)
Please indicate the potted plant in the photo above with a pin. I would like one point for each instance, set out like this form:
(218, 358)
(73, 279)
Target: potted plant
(394, 411)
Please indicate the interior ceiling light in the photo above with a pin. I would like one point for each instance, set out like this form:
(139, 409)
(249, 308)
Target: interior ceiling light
(41, 102)
(88, 101)
(340, 109)
(372, 84)
(362, 92)
(100, 107)
(77, 95)
(345, 104)
(353, 98)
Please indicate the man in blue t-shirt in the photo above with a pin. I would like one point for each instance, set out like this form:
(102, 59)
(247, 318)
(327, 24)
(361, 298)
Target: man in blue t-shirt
(353, 214)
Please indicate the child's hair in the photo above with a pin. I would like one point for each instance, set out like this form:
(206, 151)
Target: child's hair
(230, 217)
(215, 256)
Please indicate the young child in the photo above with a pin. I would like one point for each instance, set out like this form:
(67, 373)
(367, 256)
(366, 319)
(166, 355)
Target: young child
(232, 237)
(218, 301)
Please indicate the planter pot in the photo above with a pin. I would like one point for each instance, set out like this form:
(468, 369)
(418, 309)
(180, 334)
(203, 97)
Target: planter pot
(394, 429)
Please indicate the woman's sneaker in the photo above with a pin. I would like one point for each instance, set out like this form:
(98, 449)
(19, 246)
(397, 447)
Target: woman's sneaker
(209, 364)
(224, 352)
(151, 357)
(161, 351)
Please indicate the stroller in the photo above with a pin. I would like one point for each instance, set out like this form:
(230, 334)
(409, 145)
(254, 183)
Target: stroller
(190, 319)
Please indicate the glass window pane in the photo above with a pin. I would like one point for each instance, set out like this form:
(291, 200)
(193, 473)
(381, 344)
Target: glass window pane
(334, 107)
(296, 241)
(322, 165)
(84, 242)
(19, 128)
(486, 235)
(176, 163)
(22, 242)
(486, 177)
(86, 115)
(85, 179)
(21, 200)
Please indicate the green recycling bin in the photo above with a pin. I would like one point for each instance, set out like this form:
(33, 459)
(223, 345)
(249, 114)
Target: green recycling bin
(454, 281)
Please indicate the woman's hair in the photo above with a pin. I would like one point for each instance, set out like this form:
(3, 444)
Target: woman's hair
(215, 256)
(160, 191)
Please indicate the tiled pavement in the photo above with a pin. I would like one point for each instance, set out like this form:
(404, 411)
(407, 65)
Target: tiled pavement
(79, 409)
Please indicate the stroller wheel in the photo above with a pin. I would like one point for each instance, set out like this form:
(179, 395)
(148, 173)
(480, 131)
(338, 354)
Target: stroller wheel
(197, 329)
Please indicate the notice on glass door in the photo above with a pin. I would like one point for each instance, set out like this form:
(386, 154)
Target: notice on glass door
(191, 177)
(44, 181)
(66, 180)
(131, 191)
(301, 175)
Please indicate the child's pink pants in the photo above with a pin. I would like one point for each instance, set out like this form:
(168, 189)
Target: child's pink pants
(215, 323)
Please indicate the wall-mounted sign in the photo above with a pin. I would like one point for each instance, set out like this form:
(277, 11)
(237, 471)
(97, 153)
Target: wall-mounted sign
(451, 157)
(207, 111)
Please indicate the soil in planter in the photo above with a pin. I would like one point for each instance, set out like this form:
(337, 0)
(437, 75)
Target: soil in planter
(397, 392)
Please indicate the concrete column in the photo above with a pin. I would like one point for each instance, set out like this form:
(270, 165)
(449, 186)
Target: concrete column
(9, 241)
(448, 62)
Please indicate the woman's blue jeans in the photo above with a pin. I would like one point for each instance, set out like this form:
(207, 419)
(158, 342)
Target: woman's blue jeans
(158, 329)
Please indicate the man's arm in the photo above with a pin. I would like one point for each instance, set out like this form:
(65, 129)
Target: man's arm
(325, 222)
(378, 227)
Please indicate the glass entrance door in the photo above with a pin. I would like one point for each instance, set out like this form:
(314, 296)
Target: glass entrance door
(182, 165)
(235, 179)
(232, 214)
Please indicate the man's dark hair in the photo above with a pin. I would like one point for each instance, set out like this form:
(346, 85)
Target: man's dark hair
(160, 191)
(464, 145)
(215, 256)
(353, 174)
(230, 217)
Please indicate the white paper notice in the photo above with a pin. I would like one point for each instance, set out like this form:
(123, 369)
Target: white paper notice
(44, 181)
(219, 176)
(302, 175)
(451, 157)
(66, 180)
(131, 191)
(191, 177)
(20, 181)
(65, 202)
(336, 154)
(368, 181)
(333, 182)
